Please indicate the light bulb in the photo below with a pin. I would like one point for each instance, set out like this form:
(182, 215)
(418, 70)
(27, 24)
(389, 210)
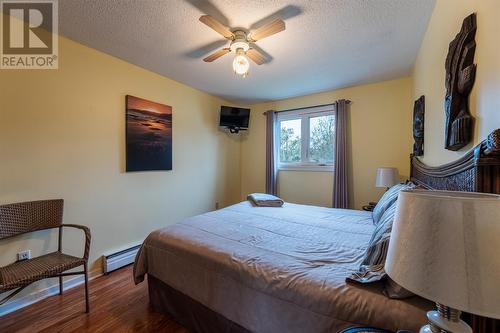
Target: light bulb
(241, 64)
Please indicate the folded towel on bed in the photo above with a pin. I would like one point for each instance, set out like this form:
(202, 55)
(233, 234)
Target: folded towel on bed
(265, 200)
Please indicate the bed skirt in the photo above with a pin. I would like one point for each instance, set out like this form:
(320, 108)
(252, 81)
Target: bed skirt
(191, 314)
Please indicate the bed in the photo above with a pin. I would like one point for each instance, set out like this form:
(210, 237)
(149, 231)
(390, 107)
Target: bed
(255, 269)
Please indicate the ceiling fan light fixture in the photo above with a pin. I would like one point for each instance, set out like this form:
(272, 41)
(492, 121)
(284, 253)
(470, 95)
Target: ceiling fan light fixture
(240, 43)
(241, 64)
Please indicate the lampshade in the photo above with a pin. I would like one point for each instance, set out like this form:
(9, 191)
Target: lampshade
(387, 177)
(445, 246)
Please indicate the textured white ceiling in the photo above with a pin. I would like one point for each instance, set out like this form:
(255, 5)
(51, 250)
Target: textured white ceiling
(327, 45)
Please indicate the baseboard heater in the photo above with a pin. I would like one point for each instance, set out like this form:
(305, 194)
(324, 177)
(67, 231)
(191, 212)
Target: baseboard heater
(118, 259)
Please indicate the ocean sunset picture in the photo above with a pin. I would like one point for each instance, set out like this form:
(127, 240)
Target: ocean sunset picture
(149, 135)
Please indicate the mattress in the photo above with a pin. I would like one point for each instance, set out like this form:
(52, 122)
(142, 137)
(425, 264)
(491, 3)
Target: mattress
(276, 269)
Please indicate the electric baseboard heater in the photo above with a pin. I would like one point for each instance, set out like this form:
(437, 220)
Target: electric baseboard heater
(119, 259)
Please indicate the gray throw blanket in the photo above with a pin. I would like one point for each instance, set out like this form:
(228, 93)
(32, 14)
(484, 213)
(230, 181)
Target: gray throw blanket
(265, 200)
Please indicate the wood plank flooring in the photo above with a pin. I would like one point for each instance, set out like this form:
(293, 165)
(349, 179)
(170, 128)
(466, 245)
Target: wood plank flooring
(116, 305)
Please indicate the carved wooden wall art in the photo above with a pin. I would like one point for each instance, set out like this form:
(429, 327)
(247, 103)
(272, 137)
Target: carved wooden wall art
(418, 126)
(460, 76)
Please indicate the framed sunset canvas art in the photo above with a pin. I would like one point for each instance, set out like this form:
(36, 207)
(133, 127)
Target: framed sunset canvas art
(148, 135)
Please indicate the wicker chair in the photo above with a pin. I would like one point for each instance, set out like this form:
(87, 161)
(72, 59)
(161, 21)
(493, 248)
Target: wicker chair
(26, 217)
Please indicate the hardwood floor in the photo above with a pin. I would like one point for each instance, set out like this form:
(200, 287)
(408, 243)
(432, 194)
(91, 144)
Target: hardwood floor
(116, 305)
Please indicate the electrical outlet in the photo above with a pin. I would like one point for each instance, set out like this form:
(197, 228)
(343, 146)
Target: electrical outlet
(24, 255)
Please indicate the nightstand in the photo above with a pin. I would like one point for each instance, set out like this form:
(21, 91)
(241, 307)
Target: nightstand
(370, 206)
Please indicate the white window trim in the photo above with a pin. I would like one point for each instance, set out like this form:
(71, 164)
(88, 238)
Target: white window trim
(304, 113)
(305, 167)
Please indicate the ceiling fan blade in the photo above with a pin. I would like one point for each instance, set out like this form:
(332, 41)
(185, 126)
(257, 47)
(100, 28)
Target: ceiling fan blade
(217, 26)
(256, 56)
(267, 30)
(206, 49)
(216, 55)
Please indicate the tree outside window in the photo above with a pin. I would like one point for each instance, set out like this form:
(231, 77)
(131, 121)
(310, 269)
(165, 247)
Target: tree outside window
(306, 140)
(321, 139)
(290, 141)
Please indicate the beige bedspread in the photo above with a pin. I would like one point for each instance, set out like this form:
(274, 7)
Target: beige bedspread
(276, 269)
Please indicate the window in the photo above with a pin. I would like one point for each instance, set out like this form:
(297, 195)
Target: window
(306, 139)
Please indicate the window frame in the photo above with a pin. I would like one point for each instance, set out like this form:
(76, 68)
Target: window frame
(304, 114)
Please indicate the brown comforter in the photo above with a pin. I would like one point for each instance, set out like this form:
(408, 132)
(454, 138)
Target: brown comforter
(276, 269)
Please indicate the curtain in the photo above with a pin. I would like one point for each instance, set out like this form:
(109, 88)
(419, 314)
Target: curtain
(271, 163)
(340, 198)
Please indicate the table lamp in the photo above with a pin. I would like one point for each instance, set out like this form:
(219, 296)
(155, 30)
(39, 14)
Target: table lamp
(445, 246)
(386, 177)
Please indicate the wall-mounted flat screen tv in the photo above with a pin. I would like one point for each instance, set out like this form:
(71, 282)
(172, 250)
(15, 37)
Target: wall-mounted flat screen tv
(234, 118)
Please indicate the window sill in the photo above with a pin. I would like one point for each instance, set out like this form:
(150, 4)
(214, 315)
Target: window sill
(313, 168)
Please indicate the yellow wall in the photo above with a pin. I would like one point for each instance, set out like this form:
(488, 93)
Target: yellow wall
(62, 135)
(429, 73)
(379, 135)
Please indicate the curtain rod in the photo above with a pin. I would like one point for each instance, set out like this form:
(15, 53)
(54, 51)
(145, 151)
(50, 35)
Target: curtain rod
(305, 107)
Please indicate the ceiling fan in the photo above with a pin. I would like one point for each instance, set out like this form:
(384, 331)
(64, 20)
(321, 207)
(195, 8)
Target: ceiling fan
(241, 43)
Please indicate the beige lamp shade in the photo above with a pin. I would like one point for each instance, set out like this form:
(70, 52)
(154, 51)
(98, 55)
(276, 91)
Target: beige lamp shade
(386, 177)
(445, 246)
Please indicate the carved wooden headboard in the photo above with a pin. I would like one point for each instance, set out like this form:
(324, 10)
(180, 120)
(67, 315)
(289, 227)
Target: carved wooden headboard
(476, 171)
